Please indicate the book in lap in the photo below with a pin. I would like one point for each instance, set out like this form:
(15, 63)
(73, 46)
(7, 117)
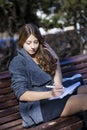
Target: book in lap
(70, 85)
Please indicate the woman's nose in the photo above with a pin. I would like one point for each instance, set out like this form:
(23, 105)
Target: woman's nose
(32, 45)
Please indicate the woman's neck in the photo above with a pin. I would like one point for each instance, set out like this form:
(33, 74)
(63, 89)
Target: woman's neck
(35, 60)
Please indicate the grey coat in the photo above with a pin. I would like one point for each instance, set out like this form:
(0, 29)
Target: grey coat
(27, 75)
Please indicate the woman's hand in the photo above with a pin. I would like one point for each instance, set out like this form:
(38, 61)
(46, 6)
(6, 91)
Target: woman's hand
(57, 91)
(58, 85)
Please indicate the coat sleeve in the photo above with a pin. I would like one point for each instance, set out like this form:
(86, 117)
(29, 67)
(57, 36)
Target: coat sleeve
(19, 83)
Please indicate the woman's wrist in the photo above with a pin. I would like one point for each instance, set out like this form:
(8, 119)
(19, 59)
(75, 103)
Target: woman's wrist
(51, 94)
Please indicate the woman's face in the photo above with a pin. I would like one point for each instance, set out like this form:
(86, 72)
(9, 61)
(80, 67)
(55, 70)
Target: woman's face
(31, 45)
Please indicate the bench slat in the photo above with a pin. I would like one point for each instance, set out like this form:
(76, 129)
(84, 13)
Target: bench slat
(74, 67)
(58, 124)
(10, 124)
(6, 97)
(7, 90)
(6, 112)
(73, 59)
(9, 118)
(5, 84)
(18, 127)
(8, 104)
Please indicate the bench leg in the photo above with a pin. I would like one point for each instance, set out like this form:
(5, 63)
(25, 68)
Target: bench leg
(85, 120)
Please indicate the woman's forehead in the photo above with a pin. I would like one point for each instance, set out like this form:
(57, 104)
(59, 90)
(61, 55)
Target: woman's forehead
(31, 37)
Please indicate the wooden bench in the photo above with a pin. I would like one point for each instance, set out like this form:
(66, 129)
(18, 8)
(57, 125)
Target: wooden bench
(9, 115)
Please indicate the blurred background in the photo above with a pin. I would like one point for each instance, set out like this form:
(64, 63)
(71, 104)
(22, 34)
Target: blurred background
(63, 24)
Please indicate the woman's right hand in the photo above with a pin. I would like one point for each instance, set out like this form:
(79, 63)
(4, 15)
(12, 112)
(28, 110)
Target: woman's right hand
(56, 91)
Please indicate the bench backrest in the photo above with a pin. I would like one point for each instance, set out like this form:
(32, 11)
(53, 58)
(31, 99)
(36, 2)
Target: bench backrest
(75, 65)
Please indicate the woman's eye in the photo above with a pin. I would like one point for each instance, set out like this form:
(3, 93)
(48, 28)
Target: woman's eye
(28, 43)
(36, 42)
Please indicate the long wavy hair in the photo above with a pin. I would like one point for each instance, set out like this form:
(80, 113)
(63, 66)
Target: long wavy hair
(45, 59)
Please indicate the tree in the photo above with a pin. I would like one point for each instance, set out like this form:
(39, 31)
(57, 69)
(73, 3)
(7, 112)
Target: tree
(74, 12)
(14, 13)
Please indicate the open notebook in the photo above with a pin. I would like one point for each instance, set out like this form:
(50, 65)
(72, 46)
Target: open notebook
(66, 91)
(72, 83)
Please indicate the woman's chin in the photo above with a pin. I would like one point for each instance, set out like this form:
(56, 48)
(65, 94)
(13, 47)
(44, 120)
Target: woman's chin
(32, 54)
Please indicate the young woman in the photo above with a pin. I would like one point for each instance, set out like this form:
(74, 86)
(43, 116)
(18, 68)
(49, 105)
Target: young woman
(35, 66)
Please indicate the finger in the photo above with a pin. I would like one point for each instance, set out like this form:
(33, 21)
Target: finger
(58, 89)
